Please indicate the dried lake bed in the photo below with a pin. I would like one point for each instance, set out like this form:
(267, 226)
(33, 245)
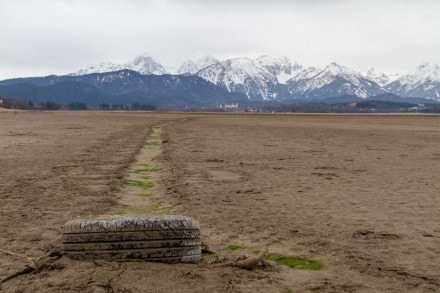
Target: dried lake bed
(357, 194)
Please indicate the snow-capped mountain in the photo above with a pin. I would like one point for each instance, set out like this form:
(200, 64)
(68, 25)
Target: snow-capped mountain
(262, 78)
(423, 82)
(335, 80)
(305, 73)
(281, 67)
(242, 75)
(380, 78)
(144, 64)
(278, 78)
(192, 67)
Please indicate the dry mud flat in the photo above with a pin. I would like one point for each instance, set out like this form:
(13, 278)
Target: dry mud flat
(358, 193)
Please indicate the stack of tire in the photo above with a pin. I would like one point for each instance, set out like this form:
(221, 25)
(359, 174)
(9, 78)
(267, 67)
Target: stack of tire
(168, 239)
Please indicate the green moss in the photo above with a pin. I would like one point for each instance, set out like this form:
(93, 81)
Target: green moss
(153, 144)
(256, 251)
(234, 247)
(146, 168)
(139, 184)
(156, 135)
(295, 262)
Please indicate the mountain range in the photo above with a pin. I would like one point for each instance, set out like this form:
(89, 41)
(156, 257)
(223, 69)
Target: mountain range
(208, 81)
(278, 78)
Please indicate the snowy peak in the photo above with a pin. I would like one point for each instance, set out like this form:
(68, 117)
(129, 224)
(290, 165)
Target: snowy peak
(380, 78)
(423, 82)
(281, 67)
(192, 67)
(99, 68)
(332, 72)
(143, 64)
(256, 78)
(334, 69)
(335, 80)
(426, 72)
(236, 71)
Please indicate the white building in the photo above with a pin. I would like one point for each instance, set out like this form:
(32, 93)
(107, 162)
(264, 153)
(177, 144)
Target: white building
(233, 106)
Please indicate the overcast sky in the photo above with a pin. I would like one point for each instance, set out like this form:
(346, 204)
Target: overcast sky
(39, 37)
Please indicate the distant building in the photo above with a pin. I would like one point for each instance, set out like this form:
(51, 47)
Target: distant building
(419, 107)
(233, 106)
(228, 107)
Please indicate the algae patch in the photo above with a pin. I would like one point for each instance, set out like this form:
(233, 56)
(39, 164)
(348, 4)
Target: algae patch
(153, 144)
(234, 247)
(145, 168)
(139, 184)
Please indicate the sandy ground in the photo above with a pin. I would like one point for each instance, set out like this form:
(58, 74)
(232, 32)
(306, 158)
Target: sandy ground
(358, 193)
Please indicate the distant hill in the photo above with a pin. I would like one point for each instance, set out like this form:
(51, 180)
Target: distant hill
(395, 98)
(121, 87)
(384, 105)
(342, 99)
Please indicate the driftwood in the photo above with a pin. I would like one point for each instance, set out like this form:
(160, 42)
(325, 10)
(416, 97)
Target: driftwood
(35, 265)
(251, 262)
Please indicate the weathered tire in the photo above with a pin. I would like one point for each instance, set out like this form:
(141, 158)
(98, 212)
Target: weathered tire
(130, 236)
(136, 245)
(164, 223)
(167, 239)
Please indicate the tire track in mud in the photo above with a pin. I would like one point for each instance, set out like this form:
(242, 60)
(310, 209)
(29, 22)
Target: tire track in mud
(143, 190)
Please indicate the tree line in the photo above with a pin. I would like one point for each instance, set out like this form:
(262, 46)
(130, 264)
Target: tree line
(72, 106)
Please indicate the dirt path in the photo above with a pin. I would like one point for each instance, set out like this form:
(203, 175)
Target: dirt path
(358, 193)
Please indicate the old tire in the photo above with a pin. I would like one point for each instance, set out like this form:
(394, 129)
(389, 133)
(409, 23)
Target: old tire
(169, 239)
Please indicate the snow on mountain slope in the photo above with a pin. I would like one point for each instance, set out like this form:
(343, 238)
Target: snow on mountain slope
(144, 64)
(281, 67)
(192, 67)
(278, 78)
(262, 78)
(423, 82)
(306, 73)
(380, 78)
(335, 80)
(242, 75)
